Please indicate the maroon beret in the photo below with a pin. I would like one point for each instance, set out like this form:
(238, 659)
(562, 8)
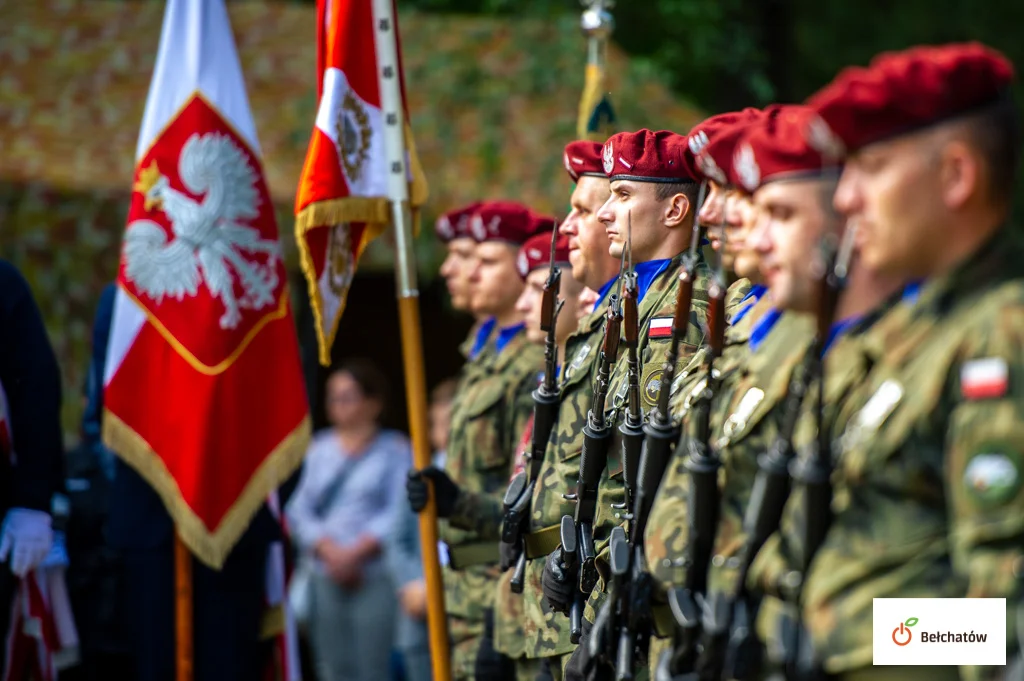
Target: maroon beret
(715, 160)
(505, 221)
(455, 224)
(647, 156)
(900, 92)
(536, 253)
(776, 148)
(583, 157)
(701, 133)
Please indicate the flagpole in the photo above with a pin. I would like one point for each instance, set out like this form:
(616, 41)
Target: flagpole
(183, 609)
(409, 318)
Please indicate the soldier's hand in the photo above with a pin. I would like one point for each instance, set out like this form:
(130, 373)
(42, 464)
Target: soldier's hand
(446, 492)
(557, 584)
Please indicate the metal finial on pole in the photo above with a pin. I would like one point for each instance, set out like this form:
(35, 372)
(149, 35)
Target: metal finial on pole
(595, 114)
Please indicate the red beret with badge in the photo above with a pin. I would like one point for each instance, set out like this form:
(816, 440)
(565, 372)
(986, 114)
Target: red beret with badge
(647, 156)
(901, 92)
(776, 148)
(715, 159)
(455, 224)
(506, 221)
(583, 157)
(536, 253)
(704, 131)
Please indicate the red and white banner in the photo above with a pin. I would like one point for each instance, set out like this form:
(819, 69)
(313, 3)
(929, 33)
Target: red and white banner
(204, 394)
(342, 199)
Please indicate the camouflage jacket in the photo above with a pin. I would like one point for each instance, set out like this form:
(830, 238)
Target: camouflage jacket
(493, 409)
(658, 304)
(547, 632)
(490, 411)
(928, 453)
(743, 424)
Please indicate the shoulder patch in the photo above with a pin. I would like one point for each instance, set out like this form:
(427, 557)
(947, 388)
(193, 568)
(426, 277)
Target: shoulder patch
(993, 476)
(737, 421)
(652, 386)
(580, 357)
(984, 379)
(660, 327)
(873, 413)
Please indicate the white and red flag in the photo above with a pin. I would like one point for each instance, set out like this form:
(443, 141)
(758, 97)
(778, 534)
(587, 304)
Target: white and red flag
(342, 199)
(204, 394)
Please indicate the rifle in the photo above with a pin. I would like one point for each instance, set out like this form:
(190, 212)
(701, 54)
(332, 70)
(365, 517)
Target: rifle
(597, 435)
(740, 658)
(633, 609)
(632, 427)
(813, 472)
(519, 495)
(703, 504)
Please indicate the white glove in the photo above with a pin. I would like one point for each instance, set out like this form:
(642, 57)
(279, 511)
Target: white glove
(26, 537)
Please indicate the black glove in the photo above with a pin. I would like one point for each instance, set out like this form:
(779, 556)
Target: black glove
(557, 584)
(446, 492)
(509, 554)
(490, 664)
(581, 665)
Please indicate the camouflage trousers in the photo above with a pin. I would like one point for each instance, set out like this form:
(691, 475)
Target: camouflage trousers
(527, 669)
(465, 637)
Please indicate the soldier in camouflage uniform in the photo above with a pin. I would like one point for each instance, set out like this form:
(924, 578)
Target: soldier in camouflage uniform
(713, 141)
(546, 632)
(512, 627)
(653, 187)
(452, 229)
(792, 189)
(927, 447)
(490, 411)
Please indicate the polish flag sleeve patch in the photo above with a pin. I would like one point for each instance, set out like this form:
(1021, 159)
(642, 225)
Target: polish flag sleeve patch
(660, 327)
(984, 379)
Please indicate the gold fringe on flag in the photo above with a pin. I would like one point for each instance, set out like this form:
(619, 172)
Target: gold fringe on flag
(210, 547)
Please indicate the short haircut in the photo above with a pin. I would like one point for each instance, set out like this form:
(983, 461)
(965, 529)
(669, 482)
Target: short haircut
(370, 379)
(664, 191)
(444, 392)
(995, 132)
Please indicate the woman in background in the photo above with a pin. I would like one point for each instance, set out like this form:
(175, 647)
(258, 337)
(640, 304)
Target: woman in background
(340, 515)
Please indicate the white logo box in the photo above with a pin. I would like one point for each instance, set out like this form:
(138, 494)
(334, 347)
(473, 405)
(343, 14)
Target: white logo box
(941, 631)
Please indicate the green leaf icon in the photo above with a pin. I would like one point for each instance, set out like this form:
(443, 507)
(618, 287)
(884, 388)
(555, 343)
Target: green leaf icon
(911, 621)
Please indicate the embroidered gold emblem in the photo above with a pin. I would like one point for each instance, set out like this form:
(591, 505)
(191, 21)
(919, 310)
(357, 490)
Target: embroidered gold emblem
(353, 133)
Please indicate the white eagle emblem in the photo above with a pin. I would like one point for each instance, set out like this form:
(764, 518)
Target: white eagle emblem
(210, 236)
(824, 140)
(608, 158)
(697, 142)
(746, 167)
(711, 169)
(443, 226)
(568, 166)
(523, 265)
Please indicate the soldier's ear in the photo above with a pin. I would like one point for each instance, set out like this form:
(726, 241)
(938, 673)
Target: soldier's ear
(677, 208)
(959, 173)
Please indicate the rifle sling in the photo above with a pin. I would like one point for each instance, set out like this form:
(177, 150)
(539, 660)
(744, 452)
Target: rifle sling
(542, 542)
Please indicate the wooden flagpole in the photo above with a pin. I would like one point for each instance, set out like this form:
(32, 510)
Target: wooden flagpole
(388, 70)
(183, 609)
